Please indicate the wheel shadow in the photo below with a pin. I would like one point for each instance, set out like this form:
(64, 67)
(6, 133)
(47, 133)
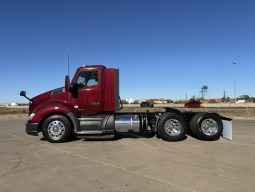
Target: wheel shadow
(190, 134)
(70, 140)
(130, 135)
(148, 134)
(119, 136)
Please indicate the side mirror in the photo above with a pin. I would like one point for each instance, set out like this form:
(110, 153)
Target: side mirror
(23, 93)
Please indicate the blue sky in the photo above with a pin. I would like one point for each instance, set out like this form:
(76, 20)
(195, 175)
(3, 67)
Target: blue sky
(163, 48)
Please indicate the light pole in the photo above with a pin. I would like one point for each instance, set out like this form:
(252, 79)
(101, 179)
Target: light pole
(234, 72)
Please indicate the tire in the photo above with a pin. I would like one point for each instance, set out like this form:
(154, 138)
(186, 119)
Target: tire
(172, 127)
(206, 126)
(57, 129)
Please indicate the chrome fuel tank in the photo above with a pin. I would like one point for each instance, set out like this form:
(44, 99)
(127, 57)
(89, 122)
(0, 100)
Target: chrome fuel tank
(125, 123)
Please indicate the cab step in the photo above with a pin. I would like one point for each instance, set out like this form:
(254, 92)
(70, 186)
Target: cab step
(96, 137)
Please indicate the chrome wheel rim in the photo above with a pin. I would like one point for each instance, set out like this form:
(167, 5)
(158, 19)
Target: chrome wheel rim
(209, 127)
(56, 129)
(173, 127)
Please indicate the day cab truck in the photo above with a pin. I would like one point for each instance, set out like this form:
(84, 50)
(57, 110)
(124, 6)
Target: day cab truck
(90, 107)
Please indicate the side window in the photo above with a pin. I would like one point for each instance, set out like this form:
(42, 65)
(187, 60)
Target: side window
(87, 79)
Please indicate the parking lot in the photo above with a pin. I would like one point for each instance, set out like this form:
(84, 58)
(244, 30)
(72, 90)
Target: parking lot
(131, 163)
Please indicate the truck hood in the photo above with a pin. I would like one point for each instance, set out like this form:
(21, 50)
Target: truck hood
(55, 94)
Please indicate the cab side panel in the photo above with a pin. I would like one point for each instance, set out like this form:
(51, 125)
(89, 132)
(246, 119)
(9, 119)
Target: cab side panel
(111, 90)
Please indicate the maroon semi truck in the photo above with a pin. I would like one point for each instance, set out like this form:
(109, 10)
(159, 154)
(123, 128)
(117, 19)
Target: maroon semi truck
(90, 107)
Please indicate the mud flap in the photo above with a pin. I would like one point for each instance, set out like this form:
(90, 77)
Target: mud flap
(227, 129)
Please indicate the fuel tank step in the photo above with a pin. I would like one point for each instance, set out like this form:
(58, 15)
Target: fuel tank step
(94, 132)
(96, 137)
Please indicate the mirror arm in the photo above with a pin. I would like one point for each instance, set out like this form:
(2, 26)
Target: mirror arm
(28, 98)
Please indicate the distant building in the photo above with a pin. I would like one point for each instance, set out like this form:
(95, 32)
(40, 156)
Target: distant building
(13, 104)
(130, 101)
(240, 101)
(157, 101)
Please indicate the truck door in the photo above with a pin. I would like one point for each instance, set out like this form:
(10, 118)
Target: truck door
(89, 93)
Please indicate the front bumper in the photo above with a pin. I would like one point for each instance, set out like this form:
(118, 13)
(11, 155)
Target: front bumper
(32, 128)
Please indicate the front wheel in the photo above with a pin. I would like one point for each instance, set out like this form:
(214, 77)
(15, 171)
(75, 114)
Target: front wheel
(56, 129)
(172, 127)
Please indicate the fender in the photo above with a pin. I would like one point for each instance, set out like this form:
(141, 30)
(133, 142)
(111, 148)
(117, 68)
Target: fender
(48, 108)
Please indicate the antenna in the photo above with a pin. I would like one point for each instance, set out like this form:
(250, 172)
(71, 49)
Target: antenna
(68, 64)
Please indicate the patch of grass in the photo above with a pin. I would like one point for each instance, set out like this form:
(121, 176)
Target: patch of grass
(9, 110)
(227, 112)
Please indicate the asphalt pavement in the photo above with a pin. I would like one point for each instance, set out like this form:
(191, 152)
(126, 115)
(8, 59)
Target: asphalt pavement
(131, 163)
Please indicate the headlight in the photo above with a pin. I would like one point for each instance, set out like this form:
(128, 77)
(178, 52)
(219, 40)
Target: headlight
(31, 116)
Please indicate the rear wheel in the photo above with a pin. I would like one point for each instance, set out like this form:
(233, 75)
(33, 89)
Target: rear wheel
(171, 127)
(57, 129)
(206, 126)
